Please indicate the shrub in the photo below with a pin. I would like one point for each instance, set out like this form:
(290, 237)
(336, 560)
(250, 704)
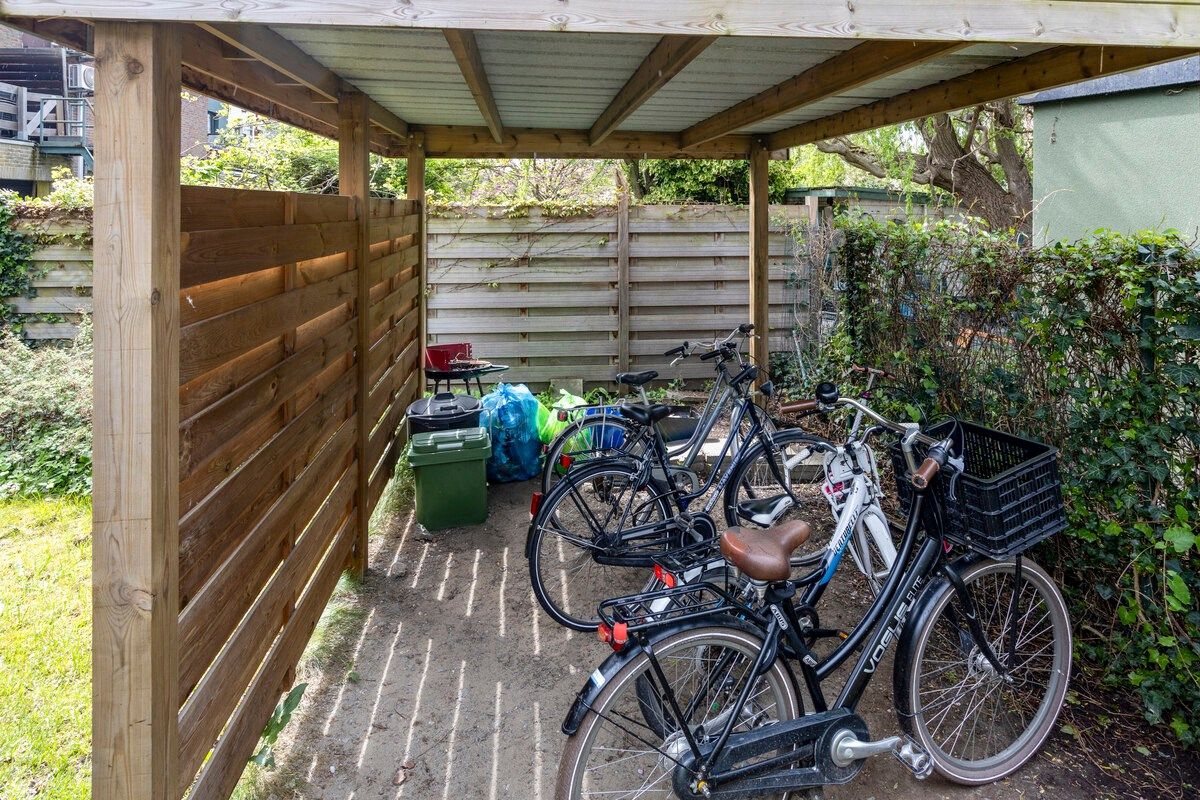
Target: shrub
(1093, 346)
(46, 417)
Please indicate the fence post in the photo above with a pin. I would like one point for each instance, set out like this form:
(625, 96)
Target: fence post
(135, 502)
(415, 190)
(760, 239)
(354, 180)
(22, 113)
(623, 282)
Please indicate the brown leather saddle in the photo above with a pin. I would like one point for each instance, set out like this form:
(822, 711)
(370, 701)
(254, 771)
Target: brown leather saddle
(765, 555)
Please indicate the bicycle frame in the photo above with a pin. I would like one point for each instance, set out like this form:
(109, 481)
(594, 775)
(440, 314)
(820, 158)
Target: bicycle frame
(783, 633)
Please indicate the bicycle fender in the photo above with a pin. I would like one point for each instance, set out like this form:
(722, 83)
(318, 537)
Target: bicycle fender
(608, 669)
(918, 618)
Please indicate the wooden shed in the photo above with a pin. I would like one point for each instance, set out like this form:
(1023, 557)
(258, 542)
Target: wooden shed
(255, 351)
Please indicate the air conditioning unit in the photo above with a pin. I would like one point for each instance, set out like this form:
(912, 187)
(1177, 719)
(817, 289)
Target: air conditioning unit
(81, 77)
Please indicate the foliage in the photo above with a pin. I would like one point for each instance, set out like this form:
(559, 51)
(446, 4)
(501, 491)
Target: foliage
(15, 249)
(46, 417)
(265, 757)
(68, 196)
(980, 155)
(45, 648)
(1093, 346)
(679, 181)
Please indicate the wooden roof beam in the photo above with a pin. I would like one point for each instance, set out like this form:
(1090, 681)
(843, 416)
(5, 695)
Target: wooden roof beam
(470, 63)
(1047, 69)
(664, 62)
(278, 53)
(861, 64)
(454, 141)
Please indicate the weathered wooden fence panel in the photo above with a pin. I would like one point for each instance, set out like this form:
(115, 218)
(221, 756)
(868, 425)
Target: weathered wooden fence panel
(545, 295)
(269, 418)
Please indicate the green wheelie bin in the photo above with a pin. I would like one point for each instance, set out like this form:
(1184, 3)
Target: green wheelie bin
(451, 478)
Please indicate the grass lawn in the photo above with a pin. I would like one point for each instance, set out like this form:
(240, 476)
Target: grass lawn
(45, 649)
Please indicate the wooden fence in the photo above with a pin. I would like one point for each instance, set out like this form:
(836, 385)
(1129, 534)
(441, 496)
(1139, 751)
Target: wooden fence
(269, 461)
(588, 296)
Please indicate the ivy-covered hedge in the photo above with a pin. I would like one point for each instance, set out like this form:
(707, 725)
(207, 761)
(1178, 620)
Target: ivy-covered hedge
(1093, 346)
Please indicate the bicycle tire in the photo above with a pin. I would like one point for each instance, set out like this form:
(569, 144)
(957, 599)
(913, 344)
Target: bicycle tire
(549, 523)
(942, 634)
(748, 460)
(620, 694)
(559, 444)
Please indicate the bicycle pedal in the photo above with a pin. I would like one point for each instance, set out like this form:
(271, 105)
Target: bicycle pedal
(913, 756)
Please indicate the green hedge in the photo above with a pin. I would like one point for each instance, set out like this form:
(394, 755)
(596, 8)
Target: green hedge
(1093, 346)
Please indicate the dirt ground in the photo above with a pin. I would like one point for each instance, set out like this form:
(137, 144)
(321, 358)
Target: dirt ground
(455, 684)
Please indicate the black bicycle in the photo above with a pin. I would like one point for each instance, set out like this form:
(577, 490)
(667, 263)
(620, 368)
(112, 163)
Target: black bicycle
(609, 514)
(701, 699)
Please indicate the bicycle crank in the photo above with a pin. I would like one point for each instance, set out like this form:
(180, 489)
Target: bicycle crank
(775, 758)
(847, 749)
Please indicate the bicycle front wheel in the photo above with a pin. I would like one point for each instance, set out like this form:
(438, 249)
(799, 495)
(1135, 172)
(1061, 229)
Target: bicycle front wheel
(755, 497)
(977, 724)
(630, 741)
(581, 519)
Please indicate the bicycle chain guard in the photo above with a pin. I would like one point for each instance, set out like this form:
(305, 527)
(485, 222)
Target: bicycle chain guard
(810, 736)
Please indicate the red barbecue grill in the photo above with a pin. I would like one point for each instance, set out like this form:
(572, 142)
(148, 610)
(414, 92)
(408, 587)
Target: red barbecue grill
(454, 362)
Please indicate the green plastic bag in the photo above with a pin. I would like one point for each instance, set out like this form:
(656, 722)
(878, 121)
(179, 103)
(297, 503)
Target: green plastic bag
(551, 422)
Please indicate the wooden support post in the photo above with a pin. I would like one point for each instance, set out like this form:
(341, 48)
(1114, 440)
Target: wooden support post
(416, 191)
(354, 180)
(135, 500)
(623, 282)
(760, 236)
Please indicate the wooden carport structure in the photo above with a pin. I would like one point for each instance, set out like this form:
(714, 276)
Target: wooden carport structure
(255, 350)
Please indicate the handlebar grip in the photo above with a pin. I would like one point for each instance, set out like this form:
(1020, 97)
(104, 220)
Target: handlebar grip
(711, 354)
(676, 351)
(798, 407)
(746, 327)
(925, 473)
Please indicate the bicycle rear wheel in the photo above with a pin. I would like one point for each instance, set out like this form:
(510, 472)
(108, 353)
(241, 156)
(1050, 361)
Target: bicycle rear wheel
(977, 725)
(574, 524)
(586, 439)
(629, 742)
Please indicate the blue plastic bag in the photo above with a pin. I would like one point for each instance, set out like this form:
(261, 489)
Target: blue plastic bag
(608, 437)
(510, 414)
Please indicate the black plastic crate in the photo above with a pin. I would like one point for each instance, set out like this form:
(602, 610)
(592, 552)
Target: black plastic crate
(1009, 496)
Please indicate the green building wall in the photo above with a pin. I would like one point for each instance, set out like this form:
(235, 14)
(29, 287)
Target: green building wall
(1124, 162)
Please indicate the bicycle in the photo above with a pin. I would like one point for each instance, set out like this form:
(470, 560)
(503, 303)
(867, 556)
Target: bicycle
(699, 698)
(613, 513)
(602, 431)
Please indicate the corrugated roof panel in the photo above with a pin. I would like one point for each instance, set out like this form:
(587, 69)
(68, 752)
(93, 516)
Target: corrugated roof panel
(559, 80)
(410, 72)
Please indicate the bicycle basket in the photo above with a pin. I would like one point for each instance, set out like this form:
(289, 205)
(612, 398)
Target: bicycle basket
(1008, 497)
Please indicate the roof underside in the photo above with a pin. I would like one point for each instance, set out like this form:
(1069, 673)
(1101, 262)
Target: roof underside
(633, 90)
(565, 80)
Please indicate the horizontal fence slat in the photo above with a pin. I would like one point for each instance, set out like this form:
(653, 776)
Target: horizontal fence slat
(467, 325)
(214, 255)
(499, 299)
(51, 305)
(208, 344)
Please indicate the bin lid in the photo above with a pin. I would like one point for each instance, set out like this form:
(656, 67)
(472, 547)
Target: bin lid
(444, 404)
(444, 447)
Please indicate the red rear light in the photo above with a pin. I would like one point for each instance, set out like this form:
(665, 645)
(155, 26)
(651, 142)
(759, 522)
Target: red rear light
(563, 416)
(565, 461)
(604, 633)
(620, 635)
(535, 503)
(664, 577)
